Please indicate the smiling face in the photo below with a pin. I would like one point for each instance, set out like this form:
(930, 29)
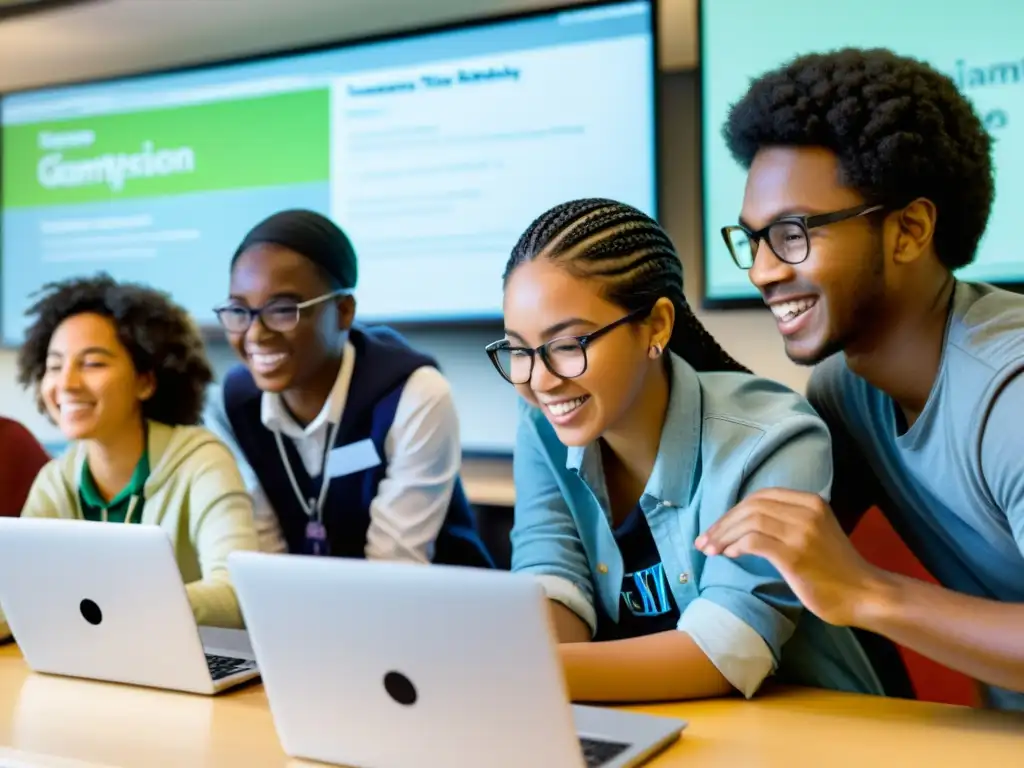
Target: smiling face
(543, 303)
(90, 387)
(271, 275)
(837, 294)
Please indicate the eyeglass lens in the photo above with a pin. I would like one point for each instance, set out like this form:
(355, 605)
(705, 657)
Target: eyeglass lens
(565, 358)
(278, 316)
(787, 239)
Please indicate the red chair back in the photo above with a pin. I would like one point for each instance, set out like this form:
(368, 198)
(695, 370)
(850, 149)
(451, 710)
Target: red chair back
(880, 545)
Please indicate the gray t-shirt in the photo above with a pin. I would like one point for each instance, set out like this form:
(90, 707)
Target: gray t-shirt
(952, 485)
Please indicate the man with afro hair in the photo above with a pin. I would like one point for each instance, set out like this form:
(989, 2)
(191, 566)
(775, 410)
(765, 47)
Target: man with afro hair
(869, 184)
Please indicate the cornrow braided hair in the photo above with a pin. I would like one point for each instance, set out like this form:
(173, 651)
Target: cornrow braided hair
(633, 258)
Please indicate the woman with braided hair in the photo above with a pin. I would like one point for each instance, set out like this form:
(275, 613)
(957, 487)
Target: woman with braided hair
(637, 431)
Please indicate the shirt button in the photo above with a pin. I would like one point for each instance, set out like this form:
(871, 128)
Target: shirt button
(684, 578)
(602, 568)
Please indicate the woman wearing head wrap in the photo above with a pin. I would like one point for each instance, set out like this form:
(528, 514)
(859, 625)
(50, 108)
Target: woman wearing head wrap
(347, 436)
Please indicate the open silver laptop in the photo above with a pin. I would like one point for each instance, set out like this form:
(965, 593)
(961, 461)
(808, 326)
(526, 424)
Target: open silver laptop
(389, 665)
(106, 601)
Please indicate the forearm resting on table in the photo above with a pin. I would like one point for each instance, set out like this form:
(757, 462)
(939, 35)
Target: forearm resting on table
(667, 666)
(980, 638)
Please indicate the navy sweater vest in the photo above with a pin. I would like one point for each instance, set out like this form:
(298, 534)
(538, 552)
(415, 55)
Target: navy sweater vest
(384, 362)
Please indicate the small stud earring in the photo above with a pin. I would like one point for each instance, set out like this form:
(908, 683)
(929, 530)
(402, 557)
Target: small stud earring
(655, 351)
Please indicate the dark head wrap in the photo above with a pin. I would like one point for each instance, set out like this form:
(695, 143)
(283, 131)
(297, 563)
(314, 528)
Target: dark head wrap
(314, 236)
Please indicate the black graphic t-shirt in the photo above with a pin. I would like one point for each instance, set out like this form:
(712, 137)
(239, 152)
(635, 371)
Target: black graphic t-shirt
(646, 604)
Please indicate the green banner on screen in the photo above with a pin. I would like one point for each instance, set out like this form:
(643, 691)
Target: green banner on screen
(255, 142)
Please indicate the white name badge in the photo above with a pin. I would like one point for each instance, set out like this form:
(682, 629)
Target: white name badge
(351, 458)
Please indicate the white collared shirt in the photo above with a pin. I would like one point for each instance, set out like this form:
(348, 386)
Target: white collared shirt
(422, 450)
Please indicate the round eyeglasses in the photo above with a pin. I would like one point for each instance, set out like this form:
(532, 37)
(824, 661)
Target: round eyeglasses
(281, 315)
(787, 237)
(565, 357)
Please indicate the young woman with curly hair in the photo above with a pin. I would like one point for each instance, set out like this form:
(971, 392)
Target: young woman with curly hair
(121, 370)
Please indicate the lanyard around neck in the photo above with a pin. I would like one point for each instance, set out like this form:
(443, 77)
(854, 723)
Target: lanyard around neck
(314, 508)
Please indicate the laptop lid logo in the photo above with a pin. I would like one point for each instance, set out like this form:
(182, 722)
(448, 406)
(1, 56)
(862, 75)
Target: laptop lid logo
(91, 612)
(400, 688)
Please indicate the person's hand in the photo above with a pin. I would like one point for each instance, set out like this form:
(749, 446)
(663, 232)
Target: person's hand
(798, 534)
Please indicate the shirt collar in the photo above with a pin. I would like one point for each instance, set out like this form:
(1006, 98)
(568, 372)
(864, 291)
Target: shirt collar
(672, 478)
(275, 415)
(90, 493)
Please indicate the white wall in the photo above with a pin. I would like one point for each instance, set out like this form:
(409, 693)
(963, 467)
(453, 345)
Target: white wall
(485, 402)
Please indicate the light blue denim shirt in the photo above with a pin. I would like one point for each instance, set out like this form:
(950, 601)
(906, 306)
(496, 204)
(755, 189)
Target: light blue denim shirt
(725, 436)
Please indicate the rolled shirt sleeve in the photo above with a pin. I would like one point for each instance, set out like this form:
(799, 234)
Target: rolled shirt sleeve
(745, 611)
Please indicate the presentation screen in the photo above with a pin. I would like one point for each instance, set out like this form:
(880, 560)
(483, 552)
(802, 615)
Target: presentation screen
(977, 44)
(434, 152)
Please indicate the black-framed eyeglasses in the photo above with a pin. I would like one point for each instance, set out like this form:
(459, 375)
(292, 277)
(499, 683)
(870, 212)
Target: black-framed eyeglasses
(565, 357)
(787, 237)
(281, 315)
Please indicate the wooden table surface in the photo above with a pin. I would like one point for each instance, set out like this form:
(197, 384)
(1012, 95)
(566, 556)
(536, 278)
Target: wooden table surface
(52, 722)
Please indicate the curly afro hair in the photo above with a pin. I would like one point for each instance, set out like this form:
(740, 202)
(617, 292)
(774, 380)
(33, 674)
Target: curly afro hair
(900, 129)
(159, 335)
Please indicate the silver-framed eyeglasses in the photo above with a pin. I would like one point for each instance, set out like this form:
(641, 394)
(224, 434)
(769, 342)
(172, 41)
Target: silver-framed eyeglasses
(787, 237)
(565, 357)
(281, 315)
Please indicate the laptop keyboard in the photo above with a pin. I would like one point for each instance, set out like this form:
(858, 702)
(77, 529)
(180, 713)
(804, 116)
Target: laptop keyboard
(225, 666)
(597, 753)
